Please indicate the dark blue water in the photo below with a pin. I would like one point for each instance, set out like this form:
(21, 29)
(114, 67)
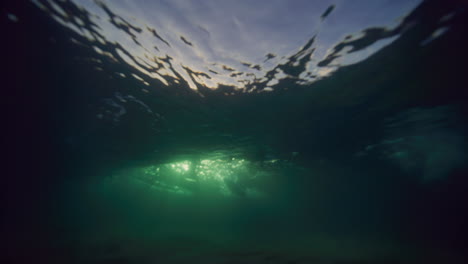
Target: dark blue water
(234, 131)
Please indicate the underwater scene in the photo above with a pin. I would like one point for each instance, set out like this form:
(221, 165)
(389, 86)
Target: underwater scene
(248, 131)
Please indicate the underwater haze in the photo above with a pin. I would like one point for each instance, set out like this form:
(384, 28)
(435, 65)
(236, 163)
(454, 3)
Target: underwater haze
(266, 131)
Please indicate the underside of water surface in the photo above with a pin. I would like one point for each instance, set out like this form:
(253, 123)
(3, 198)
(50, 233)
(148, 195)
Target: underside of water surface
(234, 131)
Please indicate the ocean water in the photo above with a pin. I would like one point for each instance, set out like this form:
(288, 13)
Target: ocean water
(234, 131)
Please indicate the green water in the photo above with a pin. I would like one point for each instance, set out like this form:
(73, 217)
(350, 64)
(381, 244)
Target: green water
(311, 156)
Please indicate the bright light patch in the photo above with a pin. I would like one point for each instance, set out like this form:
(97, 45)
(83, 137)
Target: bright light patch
(224, 175)
(180, 167)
